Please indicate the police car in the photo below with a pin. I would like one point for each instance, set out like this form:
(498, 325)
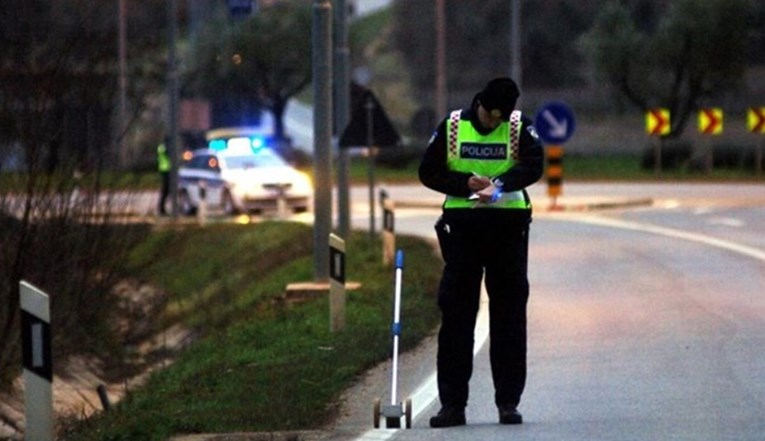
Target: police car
(241, 175)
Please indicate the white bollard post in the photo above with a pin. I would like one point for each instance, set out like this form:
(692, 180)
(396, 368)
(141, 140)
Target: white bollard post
(388, 232)
(280, 189)
(281, 203)
(202, 209)
(37, 362)
(336, 283)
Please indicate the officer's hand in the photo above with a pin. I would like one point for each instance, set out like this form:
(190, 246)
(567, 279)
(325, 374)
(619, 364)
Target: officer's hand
(486, 195)
(478, 183)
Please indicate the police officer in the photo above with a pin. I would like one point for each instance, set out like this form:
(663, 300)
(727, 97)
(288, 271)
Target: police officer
(164, 165)
(482, 158)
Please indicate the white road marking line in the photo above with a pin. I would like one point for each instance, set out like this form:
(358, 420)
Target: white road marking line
(726, 221)
(755, 253)
(427, 392)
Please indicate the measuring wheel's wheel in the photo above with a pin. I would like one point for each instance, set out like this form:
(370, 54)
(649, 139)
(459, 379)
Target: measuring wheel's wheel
(376, 413)
(408, 413)
(393, 422)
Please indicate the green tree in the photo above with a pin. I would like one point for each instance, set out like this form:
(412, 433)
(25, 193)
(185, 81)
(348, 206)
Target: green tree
(58, 77)
(265, 58)
(478, 42)
(696, 51)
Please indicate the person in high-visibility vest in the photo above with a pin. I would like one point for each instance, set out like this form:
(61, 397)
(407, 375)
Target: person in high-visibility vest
(482, 158)
(164, 165)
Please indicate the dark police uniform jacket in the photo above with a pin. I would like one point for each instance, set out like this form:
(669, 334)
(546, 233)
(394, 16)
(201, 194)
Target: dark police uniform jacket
(435, 174)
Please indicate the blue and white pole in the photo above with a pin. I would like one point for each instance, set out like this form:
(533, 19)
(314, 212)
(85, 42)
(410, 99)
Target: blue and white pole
(37, 361)
(395, 410)
(396, 328)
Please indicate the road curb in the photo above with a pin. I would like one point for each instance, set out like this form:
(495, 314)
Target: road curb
(546, 206)
(297, 435)
(603, 204)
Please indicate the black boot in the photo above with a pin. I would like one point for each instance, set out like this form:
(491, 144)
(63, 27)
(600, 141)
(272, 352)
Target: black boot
(448, 417)
(509, 415)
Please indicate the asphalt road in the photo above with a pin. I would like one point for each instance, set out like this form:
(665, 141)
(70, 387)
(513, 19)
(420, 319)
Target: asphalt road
(645, 322)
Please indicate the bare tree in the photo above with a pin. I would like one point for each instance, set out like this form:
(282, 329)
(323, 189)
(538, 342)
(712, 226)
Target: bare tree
(478, 43)
(696, 50)
(58, 227)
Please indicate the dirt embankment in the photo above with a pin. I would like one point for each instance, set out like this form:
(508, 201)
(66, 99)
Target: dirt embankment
(76, 380)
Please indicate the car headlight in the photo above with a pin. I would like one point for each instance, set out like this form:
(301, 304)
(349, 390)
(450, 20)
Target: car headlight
(304, 184)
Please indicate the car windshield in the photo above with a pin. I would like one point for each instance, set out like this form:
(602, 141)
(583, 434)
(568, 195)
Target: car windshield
(252, 161)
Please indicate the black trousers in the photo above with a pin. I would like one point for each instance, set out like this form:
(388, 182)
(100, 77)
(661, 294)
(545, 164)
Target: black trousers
(164, 191)
(477, 243)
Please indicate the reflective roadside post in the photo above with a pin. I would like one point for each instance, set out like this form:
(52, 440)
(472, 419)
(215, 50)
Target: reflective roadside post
(336, 283)
(388, 233)
(281, 198)
(37, 362)
(202, 209)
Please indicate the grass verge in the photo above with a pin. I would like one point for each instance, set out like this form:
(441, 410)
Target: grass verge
(260, 364)
(616, 167)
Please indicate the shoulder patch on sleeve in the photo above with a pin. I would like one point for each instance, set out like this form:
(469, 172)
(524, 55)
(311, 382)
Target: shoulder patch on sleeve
(533, 132)
(432, 137)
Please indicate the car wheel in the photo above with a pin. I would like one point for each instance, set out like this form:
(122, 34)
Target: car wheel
(228, 204)
(186, 207)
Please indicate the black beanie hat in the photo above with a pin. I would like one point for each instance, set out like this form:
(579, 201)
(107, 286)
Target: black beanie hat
(500, 94)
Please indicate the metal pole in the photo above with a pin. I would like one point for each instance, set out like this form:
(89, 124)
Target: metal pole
(657, 157)
(122, 51)
(342, 113)
(172, 85)
(370, 105)
(322, 135)
(440, 58)
(516, 71)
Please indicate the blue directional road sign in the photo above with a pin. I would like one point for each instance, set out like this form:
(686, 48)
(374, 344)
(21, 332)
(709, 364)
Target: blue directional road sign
(555, 123)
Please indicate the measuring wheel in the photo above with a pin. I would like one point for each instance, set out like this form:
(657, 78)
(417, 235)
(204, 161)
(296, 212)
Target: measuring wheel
(393, 422)
(395, 410)
(376, 413)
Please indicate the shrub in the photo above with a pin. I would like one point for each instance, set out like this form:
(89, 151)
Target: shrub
(674, 154)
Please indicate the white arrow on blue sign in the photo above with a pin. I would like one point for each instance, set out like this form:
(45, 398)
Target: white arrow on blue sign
(555, 123)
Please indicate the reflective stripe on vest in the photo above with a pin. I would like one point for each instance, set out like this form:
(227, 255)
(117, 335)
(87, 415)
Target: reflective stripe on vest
(487, 155)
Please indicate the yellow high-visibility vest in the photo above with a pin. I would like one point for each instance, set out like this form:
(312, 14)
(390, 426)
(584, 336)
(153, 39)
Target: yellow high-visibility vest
(487, 155)
(163, 159)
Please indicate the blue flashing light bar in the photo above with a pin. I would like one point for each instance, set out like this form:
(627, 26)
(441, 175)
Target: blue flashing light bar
(254, 143)
(239, 143)
(217, 144)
